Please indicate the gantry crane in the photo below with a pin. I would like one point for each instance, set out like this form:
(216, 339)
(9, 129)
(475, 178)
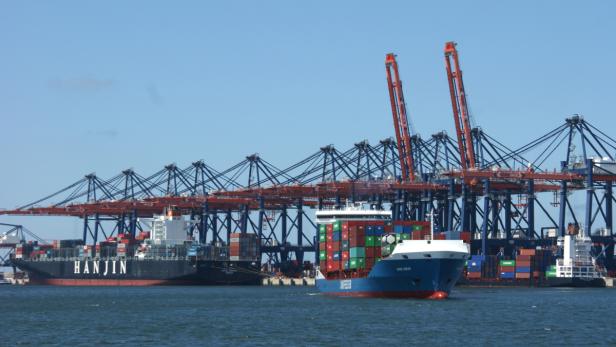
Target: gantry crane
(398, 109)
(460, 108)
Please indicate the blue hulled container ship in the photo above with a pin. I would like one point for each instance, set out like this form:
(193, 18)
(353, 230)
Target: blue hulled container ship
(364, 254)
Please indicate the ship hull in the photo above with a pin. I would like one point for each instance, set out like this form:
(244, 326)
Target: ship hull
(400, 278)
(537, 282)
(114, 272)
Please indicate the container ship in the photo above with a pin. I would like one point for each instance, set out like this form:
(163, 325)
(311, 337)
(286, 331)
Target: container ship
(364, 253)
(532, 267)
(163, 256)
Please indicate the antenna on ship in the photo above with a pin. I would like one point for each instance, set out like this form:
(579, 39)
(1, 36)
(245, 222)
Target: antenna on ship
(431, 214)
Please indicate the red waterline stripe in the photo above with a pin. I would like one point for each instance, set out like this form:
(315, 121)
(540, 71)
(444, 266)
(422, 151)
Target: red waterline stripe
(437, 295)
(100, 282)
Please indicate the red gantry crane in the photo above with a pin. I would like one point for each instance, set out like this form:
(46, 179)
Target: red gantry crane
(460, 107)
(398, 109)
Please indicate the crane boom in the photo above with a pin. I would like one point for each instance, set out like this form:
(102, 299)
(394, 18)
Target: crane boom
(460, 107)
(398, 110)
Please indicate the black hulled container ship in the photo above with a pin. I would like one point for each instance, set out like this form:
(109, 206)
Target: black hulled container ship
(163, 256)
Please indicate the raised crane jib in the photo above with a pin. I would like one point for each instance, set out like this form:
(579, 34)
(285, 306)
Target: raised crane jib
(460, 107)
(398, 110)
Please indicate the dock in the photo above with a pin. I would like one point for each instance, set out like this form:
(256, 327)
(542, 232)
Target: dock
(286, 281)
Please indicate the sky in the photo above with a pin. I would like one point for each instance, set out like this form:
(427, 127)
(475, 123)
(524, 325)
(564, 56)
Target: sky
(105, 86)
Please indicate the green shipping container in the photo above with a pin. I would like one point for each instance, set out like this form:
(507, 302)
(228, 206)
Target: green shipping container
(357, 252)
(337, 225)
(353, 263)
(361, 263)
(507, 263)
(417, 227)
(323, 255)
(322, 229)
(357, 263)
(403, 237)
(552, 268)
(370, 241)
(550, 274)
(322, 238)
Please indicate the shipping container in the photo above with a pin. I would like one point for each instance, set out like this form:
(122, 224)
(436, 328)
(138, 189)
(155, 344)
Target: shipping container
(356, 252)
(507, 275)
(473, 275)
(527, 252)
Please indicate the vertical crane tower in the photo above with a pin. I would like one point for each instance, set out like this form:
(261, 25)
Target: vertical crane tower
(460, 107)
(398, 110)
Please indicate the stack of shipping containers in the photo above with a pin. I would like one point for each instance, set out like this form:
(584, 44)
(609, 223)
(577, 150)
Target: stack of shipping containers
(352, 248)
(523, 264)
(507, 269)
(243, 247)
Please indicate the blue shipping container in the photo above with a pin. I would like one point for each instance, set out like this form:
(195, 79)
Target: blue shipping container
(507, 275)
(398, 229)
(474, 263)
(523, 269)
(336, 236)
(336, 255)
(478, 257)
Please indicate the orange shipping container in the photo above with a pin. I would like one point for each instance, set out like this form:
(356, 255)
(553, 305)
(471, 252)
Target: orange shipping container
(473, 275)
(527, 251)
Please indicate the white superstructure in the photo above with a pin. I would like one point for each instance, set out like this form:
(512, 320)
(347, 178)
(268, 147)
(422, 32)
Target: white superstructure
(351, 212)
(169, 229)
(430, 249)
(577, 261)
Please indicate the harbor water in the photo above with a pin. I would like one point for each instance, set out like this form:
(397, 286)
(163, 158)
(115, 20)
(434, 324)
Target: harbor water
(270, 316)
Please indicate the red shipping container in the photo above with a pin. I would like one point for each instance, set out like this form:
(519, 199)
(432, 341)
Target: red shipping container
(370, 252)
(345, 235)
(522, 275)
(388, 228)
(345, 226)
(357, 242)
(345, 255)
(322, 246)
(330, 247)
(352, 229)
(369, 263)
(522, 263)
(377, 253)
(507, 269)
(465, 236)
(473, 275)
(359, 234)
(330, 257)
(522, 258)
(335, 246)
(333, 266)
(330, 238)
(329, 228)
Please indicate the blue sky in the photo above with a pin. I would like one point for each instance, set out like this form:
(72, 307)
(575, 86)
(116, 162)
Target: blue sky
(101, 87)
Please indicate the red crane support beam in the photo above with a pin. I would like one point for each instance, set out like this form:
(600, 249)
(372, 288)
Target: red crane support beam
(398, 110)
(517, 175)
(459, 106)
